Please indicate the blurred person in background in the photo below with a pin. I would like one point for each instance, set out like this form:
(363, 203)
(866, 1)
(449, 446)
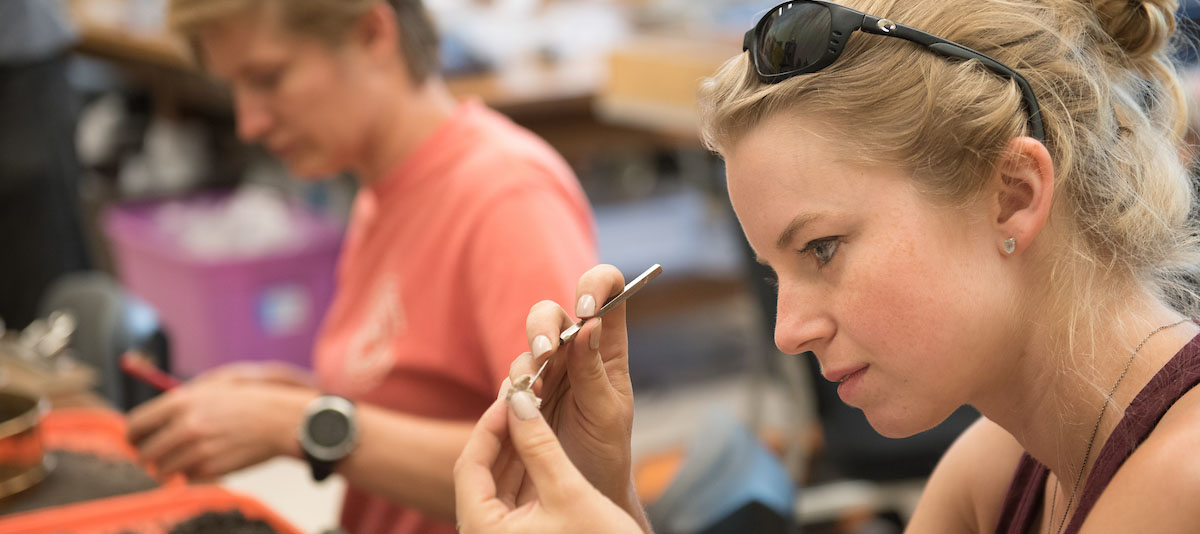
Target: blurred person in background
(462, 222)
(1009, 233)
(41, 237)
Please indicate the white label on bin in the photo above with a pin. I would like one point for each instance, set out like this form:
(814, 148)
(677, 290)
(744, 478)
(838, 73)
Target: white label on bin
(284, 309)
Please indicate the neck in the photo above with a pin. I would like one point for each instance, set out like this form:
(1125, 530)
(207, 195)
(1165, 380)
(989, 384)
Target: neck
(1059, 392)
(406, 120)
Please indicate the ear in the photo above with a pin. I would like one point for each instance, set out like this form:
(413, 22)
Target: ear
(378, 34)
(1023, 187)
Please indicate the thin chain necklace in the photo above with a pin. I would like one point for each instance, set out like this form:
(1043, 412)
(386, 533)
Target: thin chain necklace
(1091, 440)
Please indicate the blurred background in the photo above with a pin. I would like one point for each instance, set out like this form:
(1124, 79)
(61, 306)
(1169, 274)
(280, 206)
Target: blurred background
(165, 234)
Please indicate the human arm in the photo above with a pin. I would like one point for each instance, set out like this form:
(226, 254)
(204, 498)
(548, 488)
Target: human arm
(205, 430)
(276, 372)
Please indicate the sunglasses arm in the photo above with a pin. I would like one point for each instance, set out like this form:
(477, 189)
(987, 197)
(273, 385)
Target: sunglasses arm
(942, 47)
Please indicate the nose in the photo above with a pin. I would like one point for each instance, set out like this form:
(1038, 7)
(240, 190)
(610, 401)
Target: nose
(802, 322)
(253, 117)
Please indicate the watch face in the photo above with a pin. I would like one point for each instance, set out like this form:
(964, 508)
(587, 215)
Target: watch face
(328, 428)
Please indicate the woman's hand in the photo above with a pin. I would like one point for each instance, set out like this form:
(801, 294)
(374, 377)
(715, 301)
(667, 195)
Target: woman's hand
(514, 476)
(588, 397)
(206, 429)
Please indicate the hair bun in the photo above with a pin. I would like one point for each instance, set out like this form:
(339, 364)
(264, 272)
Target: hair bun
(1140, 27)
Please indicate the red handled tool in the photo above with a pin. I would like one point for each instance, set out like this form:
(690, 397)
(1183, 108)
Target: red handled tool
(137, 365)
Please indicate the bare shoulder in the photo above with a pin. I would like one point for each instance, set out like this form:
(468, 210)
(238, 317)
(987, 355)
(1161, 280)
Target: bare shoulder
(967, 488)
(1155, 489)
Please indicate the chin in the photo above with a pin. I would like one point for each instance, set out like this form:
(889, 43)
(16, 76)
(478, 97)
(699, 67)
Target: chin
(312, 170)
(901, 425)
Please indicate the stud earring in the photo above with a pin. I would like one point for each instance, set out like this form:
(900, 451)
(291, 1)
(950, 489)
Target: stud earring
(1010, 245)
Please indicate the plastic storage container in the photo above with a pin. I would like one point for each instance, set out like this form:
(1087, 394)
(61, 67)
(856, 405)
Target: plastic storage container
(219, 311)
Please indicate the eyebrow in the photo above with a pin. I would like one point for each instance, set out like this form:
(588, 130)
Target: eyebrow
(789, 233)
(255, 66)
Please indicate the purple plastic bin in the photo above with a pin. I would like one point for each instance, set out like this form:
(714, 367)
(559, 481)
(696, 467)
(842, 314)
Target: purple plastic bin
(216, 312)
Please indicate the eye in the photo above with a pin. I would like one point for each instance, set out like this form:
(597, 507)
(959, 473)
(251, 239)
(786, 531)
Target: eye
(265, 80)
(822, 249)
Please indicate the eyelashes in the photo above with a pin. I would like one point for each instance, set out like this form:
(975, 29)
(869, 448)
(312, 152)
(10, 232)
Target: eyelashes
(822, 250)
(771, 279)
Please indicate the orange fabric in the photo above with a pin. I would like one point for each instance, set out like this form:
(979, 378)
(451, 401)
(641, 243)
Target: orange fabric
(442, 262)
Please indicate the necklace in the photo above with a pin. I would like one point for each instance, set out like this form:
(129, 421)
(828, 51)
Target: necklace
(1091, 440)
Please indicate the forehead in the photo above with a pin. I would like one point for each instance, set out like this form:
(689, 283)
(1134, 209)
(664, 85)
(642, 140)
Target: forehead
(252, 35)
(789, 156)
(782, 171)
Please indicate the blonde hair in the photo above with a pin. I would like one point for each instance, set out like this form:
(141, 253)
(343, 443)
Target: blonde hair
(1112, 106)
(328, 20)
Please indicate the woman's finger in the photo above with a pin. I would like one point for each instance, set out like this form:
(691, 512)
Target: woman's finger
(521, 366)
(589, 378)
(157, 447)
(595, 287)
(150, 417)
(509, 473)
(183, 459)
(545, 322)
(473, 480)
(546, 463)
(507, 470)
(599, 284)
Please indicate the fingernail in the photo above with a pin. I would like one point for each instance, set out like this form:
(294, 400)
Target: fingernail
(594, 337)
(523, 363)
(541, 345)
(504, 387)
(586, 306)
(523, 406)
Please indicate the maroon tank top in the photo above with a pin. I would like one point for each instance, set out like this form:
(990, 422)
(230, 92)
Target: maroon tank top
(1025, 494)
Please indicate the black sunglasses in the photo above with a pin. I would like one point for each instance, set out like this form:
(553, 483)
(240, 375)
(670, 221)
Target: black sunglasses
(805, 36)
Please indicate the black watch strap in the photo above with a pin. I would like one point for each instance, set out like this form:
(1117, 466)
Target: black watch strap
(321, 469)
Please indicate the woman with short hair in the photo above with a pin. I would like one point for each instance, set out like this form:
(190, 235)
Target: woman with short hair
(463, 220)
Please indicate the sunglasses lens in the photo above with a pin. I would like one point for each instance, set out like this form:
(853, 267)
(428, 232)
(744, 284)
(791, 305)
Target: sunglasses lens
(793, 37)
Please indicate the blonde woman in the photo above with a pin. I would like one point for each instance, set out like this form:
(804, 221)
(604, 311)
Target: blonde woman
(966, 202)
(463, 221)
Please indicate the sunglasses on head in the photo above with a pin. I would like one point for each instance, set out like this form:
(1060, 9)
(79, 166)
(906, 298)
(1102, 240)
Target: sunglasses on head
(805, 36)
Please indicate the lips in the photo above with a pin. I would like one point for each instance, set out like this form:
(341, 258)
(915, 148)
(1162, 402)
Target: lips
(282, 150)
(843, 374)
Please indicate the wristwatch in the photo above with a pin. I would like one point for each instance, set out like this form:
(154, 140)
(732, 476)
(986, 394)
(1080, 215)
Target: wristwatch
(328, 434)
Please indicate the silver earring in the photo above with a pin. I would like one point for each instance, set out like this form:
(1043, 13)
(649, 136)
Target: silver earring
(1010, 245)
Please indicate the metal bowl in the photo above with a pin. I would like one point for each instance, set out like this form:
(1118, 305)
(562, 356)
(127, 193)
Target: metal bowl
(23, 458)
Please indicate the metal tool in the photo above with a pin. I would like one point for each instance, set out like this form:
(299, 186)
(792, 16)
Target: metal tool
(569, 334)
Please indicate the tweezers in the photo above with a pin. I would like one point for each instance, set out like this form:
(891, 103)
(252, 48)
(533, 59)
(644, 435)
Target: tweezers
(569, 334)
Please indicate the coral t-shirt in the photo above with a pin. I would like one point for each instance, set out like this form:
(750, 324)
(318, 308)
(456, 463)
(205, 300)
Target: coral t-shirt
(443, 260)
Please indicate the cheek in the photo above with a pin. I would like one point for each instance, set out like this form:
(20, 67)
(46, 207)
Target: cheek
(315, 100)
(914, 306)
(327, 131)
(918, 342)
(888, 301)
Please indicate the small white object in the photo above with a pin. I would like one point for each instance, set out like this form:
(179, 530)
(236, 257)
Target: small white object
(1010, 245)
